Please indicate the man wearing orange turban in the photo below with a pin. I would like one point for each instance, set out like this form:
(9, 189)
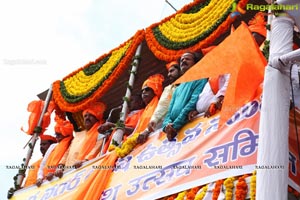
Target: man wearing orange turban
(85, 145)
(164, 101)
(46, 141)
(64, 135)
(151, 92)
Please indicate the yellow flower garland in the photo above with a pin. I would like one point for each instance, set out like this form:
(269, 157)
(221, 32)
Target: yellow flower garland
(229, 188)
(201, 195)
(181, 195)
(253, 186)
(80, 83)
(184, 27)
(127, 146)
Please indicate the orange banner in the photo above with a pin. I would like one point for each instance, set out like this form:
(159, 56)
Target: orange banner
(201, 154)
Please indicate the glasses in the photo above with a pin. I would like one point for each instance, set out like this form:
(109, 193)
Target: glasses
(146, 89)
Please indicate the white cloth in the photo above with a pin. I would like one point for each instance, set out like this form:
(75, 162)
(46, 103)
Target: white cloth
(40, 174)
(296, 85)
(273, 145)
(295, 12)
(207, 97)
(163, 105)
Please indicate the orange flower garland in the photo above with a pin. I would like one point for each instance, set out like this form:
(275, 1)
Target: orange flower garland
(241, 188)
(217, 189)
(192, 193)
(172, 197)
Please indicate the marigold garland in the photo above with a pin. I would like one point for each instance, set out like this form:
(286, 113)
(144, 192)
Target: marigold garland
(181, 195)
(202, 194)
(192, 193)
(229, 188)
(127, 146)
(179, 32)
(241, 188)
(217, 189)
(253, 186)
(172, 197)
(83, 97)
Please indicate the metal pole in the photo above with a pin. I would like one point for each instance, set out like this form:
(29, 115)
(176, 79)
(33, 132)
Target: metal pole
(171, 5)
(118, 135)
(22, 171)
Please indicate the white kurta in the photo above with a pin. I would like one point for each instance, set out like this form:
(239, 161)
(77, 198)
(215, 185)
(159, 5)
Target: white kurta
(207, 97)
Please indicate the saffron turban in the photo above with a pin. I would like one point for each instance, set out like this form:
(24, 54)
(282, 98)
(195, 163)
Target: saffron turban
(171, 64)
(155, 82)
(97, 109)
(258, 24)
(64, 127)
(48, 138)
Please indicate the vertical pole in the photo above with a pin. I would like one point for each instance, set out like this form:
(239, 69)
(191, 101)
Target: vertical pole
(22, 171)
(273, 146)
(118, 135)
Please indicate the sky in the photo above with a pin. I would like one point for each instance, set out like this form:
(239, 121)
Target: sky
(44, 41)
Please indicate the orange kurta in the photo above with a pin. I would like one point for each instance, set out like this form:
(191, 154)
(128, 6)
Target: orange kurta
(89, 142)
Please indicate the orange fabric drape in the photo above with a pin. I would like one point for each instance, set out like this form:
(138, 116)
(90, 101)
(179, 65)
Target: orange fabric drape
(96, 183)
(89, 141)
(56, 155)
(36, 107)
(132, 120)
(146, 116)
(32, 173)
(214, 84)
(239, 56)
(93, 187)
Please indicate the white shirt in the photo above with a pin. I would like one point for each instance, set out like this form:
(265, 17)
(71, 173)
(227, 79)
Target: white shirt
(207, 97)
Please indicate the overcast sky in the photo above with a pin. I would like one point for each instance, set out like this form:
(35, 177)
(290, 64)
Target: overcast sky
(43, 41)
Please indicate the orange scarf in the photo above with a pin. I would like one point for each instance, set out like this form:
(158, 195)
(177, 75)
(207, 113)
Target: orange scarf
(146, 116)
(89, 141)
(214, 84)
(132, 120)
(56, 155)
(93, 187)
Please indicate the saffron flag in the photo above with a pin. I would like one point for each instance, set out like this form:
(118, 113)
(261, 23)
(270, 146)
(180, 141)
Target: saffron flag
(239, 56)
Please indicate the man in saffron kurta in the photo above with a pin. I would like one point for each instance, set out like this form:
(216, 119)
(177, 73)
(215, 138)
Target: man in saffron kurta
(184, 98)
(85, 145)
(46, 141)
(64, 136)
